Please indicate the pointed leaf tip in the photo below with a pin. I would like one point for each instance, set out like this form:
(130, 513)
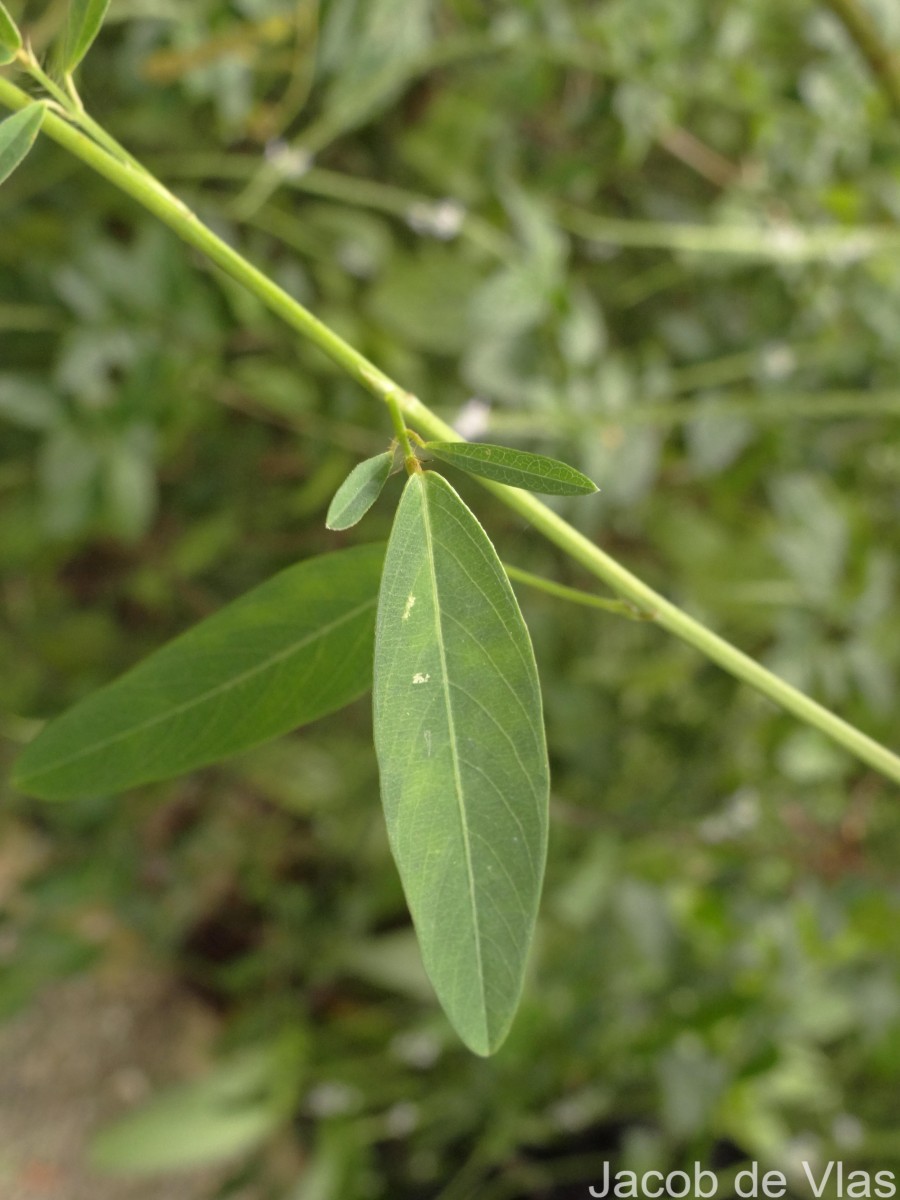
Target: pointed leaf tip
(17, 135)
(83, 23)
(10, 38)
(460, 742)
(516, 468)
(359, 491)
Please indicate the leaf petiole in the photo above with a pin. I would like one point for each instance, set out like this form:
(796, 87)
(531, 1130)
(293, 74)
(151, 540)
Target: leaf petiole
(410, 458)
(621, 608)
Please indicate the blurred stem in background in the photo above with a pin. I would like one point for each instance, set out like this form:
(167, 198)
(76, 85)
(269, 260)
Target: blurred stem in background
(864, 32)
(774, 242)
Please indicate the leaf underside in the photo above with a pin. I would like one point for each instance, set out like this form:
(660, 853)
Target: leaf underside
(460, 742)
(291, 650)
(516, 468)
(359, 491)
(17, 134)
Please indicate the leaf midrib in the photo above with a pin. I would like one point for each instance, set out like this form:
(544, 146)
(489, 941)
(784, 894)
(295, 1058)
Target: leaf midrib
(553, 474)
(178, 709)
(460, 795)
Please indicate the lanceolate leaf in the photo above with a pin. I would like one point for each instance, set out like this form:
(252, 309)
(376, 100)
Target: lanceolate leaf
(460, 743)
(534, 472)
(359, 491)
(291, 650)
(17, 134)
(10, 38)
(83, 23)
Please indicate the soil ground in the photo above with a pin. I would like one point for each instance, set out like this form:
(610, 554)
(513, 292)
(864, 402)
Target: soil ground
(88, 1050)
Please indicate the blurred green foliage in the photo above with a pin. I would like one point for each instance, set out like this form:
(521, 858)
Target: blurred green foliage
(716, 974)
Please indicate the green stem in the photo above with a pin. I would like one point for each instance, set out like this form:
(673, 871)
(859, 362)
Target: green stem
(621, 608)
(70, 100)
(158, 200)
(406, 407)
(413, 208)
(410, 458)
(668, 615)
(87, 122)
(28, 62)
(778, 242)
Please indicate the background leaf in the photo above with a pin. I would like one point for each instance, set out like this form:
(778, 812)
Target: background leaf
(10, 38)
(216, 1118)
(368, 50)
(17, 134)
(83, 23)
(460, 742)
(291, 650)
(517, 468)
(359, 491)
